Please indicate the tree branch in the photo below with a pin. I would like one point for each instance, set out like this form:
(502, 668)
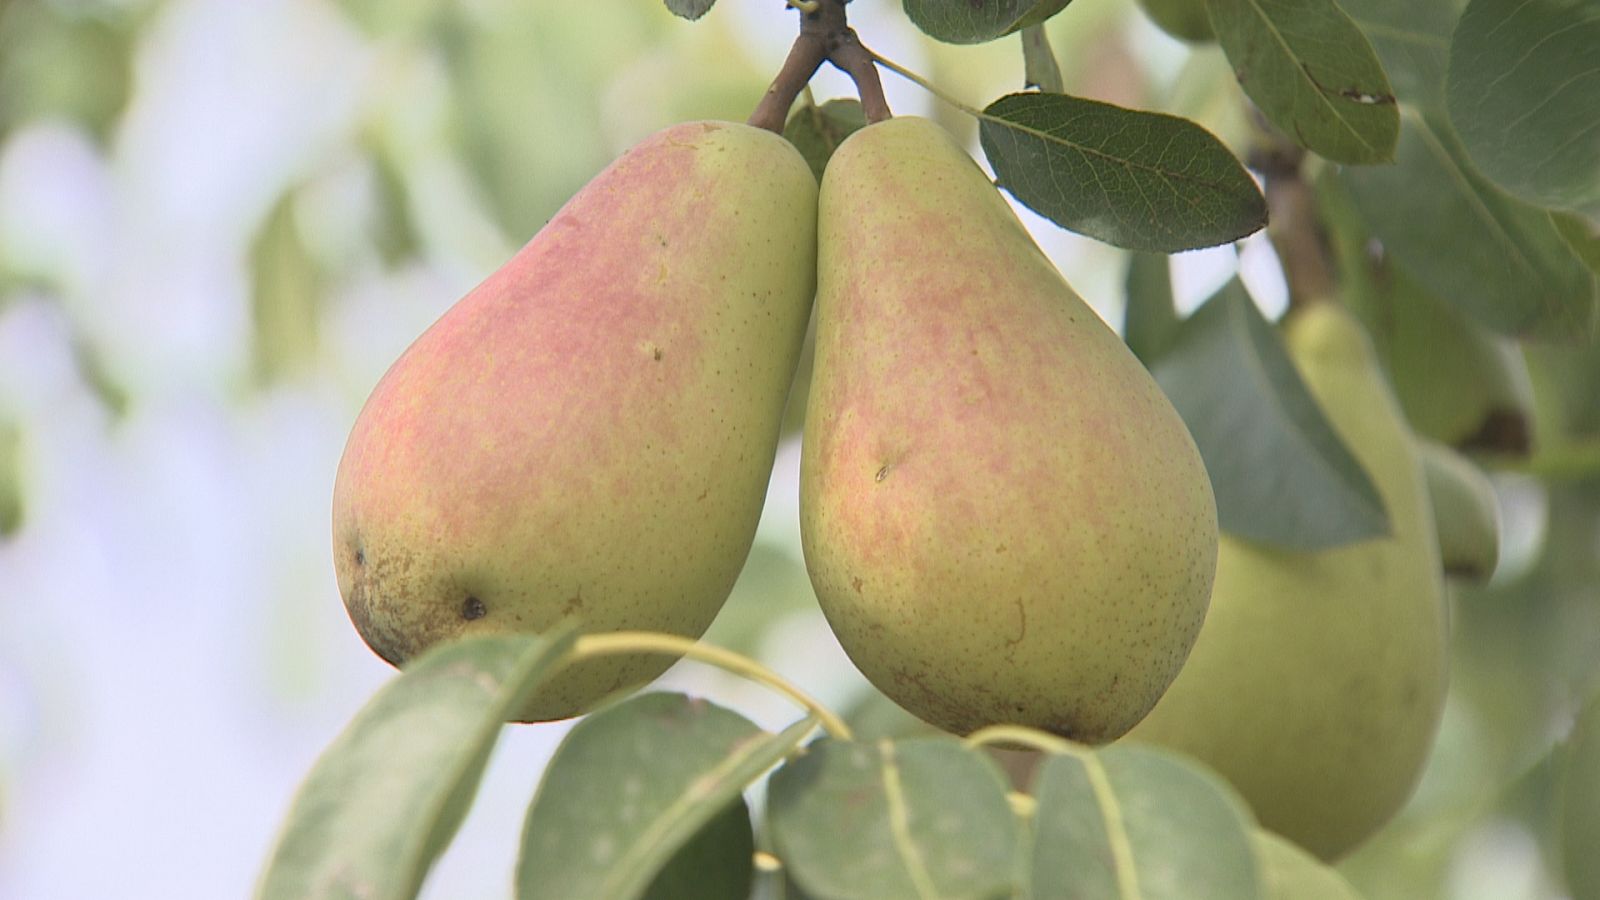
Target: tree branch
(825, 34)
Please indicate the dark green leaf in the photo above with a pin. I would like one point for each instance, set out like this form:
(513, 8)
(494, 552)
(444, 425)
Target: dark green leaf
(285, 285)
(690, 9)
(1152, 321)
(11, 475)
(1313, 73)
(1524, 94)
(1493, 257)
(1140, 180)
(1413, 42)
(633, 783)
(1582, 235)
(718, 863)
(387, 796)
(1280, 473)
(922, 817)
(817, 131)
(1132, 821)
(967, 22)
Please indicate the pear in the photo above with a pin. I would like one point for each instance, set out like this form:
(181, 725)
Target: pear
(1318, 680)
(1003, 517)
(1465, 510)
(589, 432)
(1289, 873)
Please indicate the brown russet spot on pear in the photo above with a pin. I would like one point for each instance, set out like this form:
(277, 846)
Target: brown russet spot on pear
(965, 399)
(1318, 680)
(596, 420)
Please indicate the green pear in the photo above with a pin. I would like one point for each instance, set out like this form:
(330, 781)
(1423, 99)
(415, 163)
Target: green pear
(1465, 511)
(590, 431)
(1003, 517)
(1185, 20)
(1580, 801)
(1289, 873)
(1318, 680)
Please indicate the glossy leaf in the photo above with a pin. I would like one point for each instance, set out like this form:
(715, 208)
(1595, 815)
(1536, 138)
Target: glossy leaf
(632, 784)
(1413, 43)
(1131, 821)
(1313, 73)
(817, 131)
(966, 22)
(1280, 473)
(1135, 179)
(388, 795)
(1524, 94)
(718, 862)
(1493, 257)
(690, 9)
(921, 817)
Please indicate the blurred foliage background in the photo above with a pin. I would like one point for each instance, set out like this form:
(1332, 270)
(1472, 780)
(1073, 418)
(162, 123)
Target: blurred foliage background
(221, 220)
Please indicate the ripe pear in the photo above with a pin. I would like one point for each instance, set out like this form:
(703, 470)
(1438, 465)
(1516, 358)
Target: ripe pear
(1465, 511)
(590, 431)
(1318, 680)
(1289, 873)
(1003, 517)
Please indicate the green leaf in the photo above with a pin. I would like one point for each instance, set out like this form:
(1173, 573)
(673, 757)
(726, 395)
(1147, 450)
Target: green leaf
(718, 863)
(1493, 257)
(817, 131)
(63, 61)
(387, 796)
(1524, 95)
(1313, 73)
(967, 22)
(1151, 322)
(1185, 20)
(921, 817)
(1140, 180)
(633, 783)
(1580, 797)
(1413, 43)
(1133, 821)
(1280, 473)
(286, 283)
(1582, 235)
(11, 473)
(690, 9)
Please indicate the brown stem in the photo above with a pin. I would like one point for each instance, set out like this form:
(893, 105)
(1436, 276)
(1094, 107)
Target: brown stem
(825, 34)
(1294, 226)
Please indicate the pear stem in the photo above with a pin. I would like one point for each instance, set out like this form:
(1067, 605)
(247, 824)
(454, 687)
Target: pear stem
(1022, 735)
(1039, 66)
(1293, 223)
(618, 642)
(825, 35)
(926, 85)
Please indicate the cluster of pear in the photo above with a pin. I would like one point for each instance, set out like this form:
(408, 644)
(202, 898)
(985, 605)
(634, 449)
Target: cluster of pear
(1003, 517)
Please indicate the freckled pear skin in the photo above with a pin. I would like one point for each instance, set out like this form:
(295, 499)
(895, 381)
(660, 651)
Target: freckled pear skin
(1318, 680)
(1004, 518)
(590, 431)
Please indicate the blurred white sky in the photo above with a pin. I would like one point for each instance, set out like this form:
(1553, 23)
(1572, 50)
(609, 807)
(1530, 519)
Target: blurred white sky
(173, 652)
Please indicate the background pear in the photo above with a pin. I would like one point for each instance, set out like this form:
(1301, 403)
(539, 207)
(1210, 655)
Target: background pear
(1465, 510)
(1004, 518)
(590, 431)
(1318, 679)
(1289, 873)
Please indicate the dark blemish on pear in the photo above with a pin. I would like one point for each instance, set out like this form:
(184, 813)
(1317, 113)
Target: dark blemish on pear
(882, 473)
(361, 557)
(473, 608)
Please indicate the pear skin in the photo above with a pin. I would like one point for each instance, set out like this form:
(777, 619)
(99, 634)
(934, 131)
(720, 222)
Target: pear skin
(589, 433)
(1004, 519)
(1318, 680)
(1466, 511)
